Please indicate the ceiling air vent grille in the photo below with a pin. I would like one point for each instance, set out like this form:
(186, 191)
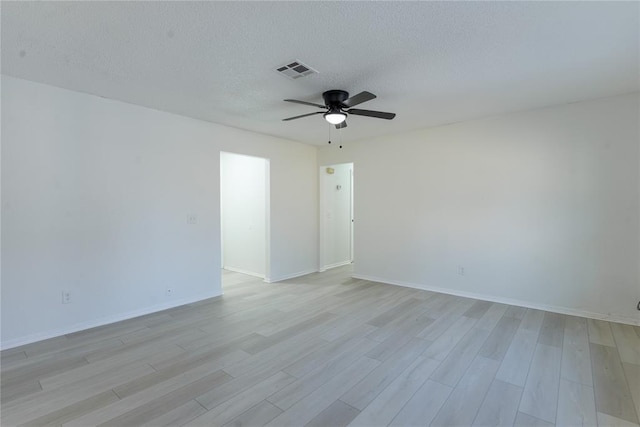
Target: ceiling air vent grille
(295, 69)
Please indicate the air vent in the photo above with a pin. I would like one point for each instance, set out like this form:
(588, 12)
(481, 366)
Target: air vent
(295, 69)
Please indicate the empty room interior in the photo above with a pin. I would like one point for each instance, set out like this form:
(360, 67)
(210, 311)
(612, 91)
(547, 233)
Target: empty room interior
(320, 213)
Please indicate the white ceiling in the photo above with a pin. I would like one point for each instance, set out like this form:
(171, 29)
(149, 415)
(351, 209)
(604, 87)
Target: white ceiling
(429, 62)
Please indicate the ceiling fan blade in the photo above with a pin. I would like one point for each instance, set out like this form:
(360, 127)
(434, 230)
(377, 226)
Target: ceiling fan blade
(304, 115)
(341, 125)
(369, 113)
(305, 103)
(358, 99)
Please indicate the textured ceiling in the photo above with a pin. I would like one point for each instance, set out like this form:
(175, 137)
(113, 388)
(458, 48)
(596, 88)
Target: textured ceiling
(429, 62)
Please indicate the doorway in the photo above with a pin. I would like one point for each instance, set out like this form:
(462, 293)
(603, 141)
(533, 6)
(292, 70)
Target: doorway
(244, 214)
(336, 215)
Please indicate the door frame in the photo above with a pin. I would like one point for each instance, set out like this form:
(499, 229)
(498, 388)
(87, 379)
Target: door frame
(267, 212)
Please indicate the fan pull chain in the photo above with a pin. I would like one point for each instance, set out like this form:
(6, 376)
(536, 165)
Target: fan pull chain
(329, 134)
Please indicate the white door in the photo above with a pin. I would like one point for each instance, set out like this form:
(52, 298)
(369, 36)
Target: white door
(336, 215)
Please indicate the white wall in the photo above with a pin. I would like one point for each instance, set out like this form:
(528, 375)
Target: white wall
(541, 208)
(95, 198)
(336, 212)
(243, 198)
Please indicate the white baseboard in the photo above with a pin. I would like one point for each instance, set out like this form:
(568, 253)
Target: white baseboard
(510, 301)
(334, 265)
(239, 270)
(291, 276)
(16, 342)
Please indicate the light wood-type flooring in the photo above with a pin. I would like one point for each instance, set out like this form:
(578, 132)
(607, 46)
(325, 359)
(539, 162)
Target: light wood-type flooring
(329, 350)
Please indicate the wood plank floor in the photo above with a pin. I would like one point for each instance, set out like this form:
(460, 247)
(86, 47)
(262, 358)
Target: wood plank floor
(329, 350)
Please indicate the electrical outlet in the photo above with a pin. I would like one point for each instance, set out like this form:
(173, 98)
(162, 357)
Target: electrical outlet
(461, 270)
(192, 219)
(168, 292)
(66, 297)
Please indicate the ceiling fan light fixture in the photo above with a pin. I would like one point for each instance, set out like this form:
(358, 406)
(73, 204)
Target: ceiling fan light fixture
(335, 117)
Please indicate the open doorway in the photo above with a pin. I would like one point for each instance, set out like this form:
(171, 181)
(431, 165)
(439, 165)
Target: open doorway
(244, 214)
(336, 215)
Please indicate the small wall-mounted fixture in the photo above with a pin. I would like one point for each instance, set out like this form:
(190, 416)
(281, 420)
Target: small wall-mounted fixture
(330, 171)
(338, 187)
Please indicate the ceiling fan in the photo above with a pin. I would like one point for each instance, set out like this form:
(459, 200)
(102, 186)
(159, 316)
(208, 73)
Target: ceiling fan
(337, 105)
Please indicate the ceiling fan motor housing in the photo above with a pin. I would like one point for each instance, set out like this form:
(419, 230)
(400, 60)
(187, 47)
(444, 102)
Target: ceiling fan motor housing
(335, 97)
